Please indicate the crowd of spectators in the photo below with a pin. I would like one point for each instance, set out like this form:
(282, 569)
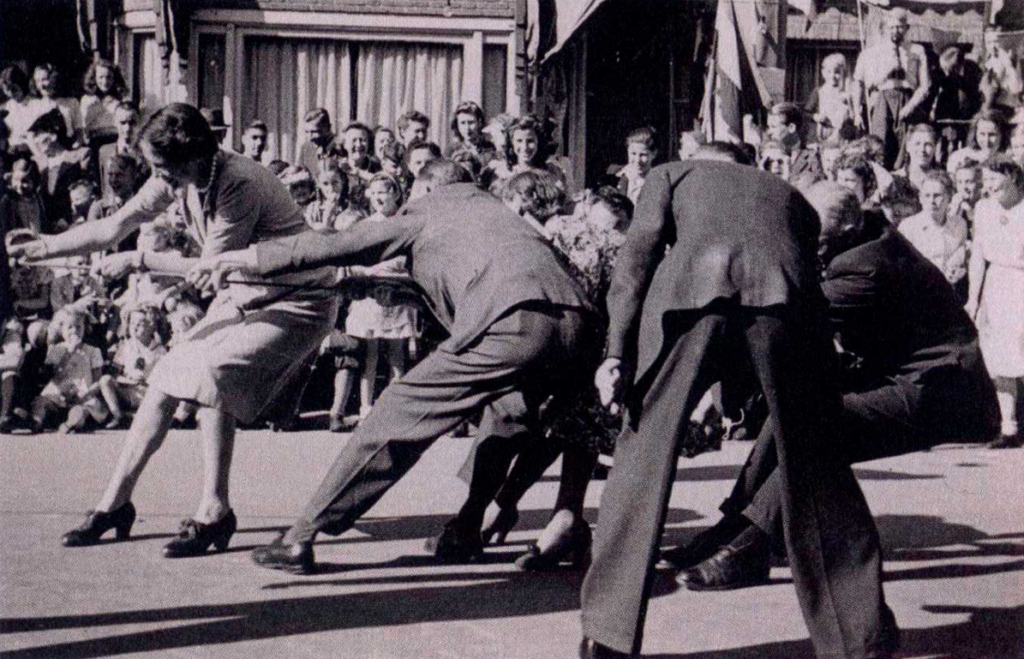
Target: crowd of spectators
(934, 141)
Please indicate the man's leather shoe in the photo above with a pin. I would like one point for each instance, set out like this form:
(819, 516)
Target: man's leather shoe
(745, 562)
(456, 544)
(1006, 441)
(706, 543)
(296, 558)
(591, 649)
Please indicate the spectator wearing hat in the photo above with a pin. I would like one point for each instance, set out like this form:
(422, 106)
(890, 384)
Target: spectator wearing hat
(320, 144)
(254, 140)
(785, 121)
(216, 120)
(895, 81)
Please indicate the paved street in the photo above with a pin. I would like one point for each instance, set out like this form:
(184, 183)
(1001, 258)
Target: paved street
(952, 522)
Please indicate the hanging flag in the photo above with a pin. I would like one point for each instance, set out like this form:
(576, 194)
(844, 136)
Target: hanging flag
(733, 86)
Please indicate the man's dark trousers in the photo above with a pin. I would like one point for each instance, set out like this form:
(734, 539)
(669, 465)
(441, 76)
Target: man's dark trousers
(830, 535)
(520, 360)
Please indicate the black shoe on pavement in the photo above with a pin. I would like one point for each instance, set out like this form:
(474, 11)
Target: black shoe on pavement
(706, 543)
(744, 562)
(456, 544)
(98, 522)
(194, 538)
(295, 558)
(1006, 441)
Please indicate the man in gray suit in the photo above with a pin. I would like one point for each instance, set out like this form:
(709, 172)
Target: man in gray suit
(518, 324)
(706, 278)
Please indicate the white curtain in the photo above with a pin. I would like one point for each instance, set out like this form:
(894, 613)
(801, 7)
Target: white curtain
(395, 78)
(285, 79)
(154, 92)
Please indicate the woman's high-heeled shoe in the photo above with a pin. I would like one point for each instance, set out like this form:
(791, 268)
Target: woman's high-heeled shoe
(194, 538)
(573, 547)
(496, 532)
(98, 522)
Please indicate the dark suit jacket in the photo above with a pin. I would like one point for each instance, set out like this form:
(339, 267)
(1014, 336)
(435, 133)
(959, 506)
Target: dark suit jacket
(474, 258)
(895, 311)
(730, 231)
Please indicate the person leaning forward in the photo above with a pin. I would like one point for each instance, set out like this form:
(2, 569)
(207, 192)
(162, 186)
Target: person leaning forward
(703, 280)
(517, 321)
(915, 378)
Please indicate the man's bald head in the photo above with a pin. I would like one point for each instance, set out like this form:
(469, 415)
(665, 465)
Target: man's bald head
(842, 221)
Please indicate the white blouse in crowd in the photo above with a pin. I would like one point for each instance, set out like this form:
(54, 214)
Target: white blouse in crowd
(945, 245)
(20, 116)
(68, 107)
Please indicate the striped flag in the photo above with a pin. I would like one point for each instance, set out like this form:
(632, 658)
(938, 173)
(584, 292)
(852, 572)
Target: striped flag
(733, 87)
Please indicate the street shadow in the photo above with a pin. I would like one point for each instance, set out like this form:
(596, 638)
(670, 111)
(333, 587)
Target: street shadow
(989, 633)
(504, 595)
(920, 537)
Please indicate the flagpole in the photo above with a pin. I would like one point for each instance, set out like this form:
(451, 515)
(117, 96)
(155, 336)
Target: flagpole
(860, 25)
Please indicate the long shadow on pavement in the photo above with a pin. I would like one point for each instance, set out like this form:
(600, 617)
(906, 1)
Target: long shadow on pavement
(514, 594)
(990, 633)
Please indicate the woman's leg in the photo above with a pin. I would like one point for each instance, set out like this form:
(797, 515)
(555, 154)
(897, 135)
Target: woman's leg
(7, 384)
(144, 438)
(1006, 394)
(109, 392)
(396, 357)
(369, 377)
(218, 432)
(342, 390)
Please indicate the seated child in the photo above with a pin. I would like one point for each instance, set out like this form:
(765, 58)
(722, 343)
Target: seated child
(12, 357)
(83, 194)
(21, 207)
(73, 388)
(135, 358)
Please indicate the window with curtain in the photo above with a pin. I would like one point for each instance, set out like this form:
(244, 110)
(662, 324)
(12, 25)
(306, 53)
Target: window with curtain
(394, 78)
(286, 78)
(374, 83)
(151, 88)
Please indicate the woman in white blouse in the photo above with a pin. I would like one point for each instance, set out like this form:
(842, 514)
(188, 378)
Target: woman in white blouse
(996, 300)
(941, 236)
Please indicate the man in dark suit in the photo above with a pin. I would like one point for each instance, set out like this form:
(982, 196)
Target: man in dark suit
(320, 145)
(916, 379)
(517, 321)
(703, 280)
(126, 121)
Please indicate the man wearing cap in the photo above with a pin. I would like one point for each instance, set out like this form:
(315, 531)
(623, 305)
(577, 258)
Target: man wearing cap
(891, 82)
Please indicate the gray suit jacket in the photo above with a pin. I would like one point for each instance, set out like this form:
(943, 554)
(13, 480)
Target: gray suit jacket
(474, 258)
(703, 231)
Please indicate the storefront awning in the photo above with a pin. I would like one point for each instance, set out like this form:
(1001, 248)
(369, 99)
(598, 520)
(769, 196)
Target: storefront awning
(569, 17)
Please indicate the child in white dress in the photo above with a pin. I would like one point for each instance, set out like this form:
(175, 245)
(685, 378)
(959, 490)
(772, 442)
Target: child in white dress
(390, 327)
